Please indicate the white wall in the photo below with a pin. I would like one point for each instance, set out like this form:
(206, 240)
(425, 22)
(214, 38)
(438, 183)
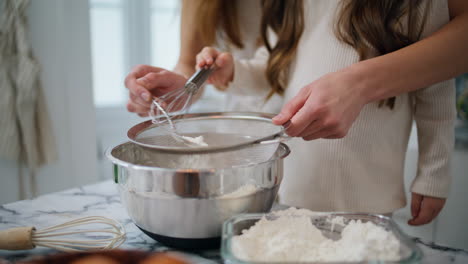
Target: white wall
(452, 229)
(60, 38)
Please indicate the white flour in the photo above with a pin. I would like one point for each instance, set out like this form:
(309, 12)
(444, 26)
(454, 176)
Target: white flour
(295, 239)
(242, 191)
(196, 141)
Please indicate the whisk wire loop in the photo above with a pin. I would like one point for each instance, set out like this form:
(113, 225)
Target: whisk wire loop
(45, 237)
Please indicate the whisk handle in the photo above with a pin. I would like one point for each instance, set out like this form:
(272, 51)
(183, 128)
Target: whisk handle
(17, 238)
(197, 79)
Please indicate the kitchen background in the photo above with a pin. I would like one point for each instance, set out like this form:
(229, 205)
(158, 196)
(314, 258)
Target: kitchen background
(85, 50)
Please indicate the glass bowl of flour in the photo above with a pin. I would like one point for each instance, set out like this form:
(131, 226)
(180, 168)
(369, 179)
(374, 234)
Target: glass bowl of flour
(303, 236)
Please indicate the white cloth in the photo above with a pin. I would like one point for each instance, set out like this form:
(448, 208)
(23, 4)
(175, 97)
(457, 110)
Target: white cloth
(25, 126)
(364, 170)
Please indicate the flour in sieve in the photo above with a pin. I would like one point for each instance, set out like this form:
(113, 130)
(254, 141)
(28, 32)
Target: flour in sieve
(295, 239)
(196, 141)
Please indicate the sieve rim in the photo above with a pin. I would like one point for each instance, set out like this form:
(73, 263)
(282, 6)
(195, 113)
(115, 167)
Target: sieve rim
(136, 130)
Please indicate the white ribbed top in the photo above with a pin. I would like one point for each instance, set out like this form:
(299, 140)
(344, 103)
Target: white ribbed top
(364, 170)
(249, 15)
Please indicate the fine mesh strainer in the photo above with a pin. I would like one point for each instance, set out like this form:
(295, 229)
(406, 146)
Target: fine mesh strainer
(224, 131)
(247, 156)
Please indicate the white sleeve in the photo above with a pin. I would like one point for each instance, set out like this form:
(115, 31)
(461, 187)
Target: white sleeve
(435, 115)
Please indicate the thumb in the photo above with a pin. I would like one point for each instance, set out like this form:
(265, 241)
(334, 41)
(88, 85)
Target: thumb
(224, 66)
(289, 110)
(224, 59)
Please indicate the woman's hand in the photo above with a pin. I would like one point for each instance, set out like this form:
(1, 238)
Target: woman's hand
(326, 108)
(424, 209)
(223, 64)
(145, 82)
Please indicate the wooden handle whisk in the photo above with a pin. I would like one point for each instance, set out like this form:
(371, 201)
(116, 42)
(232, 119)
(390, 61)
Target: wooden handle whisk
(63, 237)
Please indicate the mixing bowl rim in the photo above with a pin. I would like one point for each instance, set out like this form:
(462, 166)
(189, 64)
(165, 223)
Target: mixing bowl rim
(114, 160)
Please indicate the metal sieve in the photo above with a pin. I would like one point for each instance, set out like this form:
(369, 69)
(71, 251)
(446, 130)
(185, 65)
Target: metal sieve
(222, 131)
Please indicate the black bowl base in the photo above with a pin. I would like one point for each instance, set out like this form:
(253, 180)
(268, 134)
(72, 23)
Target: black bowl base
(186, 243)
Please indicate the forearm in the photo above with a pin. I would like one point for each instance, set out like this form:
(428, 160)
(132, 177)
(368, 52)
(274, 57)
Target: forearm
(190, 39)
(439, 57)
(434, 113)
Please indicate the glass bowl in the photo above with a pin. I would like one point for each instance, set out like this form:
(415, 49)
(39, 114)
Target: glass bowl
(409, 252)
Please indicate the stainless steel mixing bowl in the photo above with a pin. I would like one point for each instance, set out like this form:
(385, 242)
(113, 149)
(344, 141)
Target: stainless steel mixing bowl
(187, 207)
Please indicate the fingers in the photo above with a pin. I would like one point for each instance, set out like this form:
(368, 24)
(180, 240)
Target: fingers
(416, 200)
(223, 62)
(311, 118)
(426, 214)
(141, 103)
(318, 130)
(314, 129)
(144, 82)
(136, 88)
(290, 109)
(159, 83)
(318, 134)
(136, 108)
(206, 57)
(224, 70)
(138, 101)
(325, 132)
(224, 59)
(425, 209)
(303, 118)
(332, 135)
(436, 204)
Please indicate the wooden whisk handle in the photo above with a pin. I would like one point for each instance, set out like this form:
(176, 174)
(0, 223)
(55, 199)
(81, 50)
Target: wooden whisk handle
(17, 238)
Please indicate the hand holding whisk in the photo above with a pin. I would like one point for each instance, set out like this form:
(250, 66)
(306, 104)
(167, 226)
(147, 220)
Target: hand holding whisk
(178, 101)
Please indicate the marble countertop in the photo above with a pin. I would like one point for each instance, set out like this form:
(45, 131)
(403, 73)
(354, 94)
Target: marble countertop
(102, 200)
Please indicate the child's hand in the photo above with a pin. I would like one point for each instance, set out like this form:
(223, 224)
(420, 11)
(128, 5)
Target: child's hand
(223, 65)
(145, 82)
(424, 209)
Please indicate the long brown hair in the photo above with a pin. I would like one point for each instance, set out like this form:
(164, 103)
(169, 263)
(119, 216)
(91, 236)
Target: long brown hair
(371, 27)
(218, 17)
(286, 19)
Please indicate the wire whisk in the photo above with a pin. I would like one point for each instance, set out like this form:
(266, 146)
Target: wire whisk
(178, 101)
(68, 237)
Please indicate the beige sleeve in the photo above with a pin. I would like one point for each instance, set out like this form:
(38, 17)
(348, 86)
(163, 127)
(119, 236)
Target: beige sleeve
(435, 116)
(249, 75)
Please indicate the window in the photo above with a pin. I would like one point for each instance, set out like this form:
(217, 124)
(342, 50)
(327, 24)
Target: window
(107, 52)
(165, 33)
(125, 33)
